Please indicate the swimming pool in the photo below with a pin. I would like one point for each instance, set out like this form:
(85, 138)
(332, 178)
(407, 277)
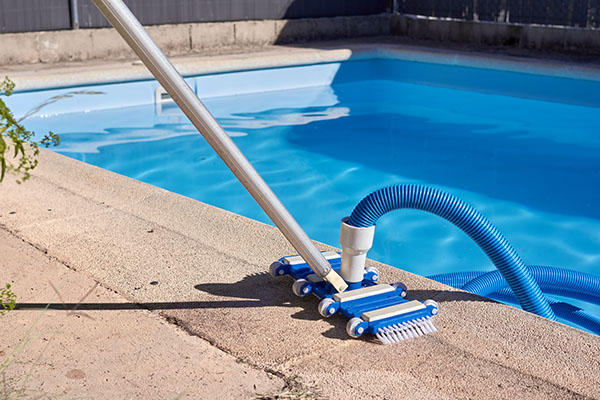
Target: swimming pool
(521, 146)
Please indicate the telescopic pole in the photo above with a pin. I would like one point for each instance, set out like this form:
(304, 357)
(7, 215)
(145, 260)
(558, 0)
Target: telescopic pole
(134, 34)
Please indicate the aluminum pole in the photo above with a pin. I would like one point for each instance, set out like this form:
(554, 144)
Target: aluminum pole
(134, 34)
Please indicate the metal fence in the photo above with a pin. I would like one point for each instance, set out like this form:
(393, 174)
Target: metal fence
(575, 13)
(36, 15)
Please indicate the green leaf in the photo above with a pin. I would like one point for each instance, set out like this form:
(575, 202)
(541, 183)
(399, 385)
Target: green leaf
(2, 169)
(19, 147)
(8, 299)
(26, 149)
(7, 86)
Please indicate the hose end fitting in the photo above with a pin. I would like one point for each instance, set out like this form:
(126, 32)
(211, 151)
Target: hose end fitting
(355, 243)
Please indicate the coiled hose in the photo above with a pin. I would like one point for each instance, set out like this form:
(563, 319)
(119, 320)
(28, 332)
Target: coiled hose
(563, 310)
(456, 279)
(548, 276)
(470, 221)
(552, 280)
(566, 311)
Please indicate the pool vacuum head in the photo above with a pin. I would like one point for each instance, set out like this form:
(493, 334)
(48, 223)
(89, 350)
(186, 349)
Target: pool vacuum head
(379, 309)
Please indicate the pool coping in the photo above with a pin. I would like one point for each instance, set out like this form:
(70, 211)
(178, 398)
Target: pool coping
(28, 78)
(211, 264)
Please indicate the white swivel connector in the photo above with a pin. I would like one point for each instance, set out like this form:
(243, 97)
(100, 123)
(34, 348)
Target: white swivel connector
(355, 243)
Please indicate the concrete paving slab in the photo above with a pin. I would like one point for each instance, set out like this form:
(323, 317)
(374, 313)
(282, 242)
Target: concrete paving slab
(155, 206)
(210, 267)
(105, 348)
(58, 204)
(443, 362)
(44, 76)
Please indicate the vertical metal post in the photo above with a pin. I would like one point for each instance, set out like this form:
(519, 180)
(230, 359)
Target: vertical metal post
(74, 14)
(134, 34)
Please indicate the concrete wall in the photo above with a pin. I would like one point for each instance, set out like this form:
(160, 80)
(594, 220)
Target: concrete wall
(562, 39)
(181, 39)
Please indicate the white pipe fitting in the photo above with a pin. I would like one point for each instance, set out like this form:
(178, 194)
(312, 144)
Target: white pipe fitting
(355, 243)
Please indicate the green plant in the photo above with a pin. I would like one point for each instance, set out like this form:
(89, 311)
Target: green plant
(15, 139)
(8, 299)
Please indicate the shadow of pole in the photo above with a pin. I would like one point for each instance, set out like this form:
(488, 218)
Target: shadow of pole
(253, 291)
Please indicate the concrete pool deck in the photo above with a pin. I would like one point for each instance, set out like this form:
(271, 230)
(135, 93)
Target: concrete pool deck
(210, 267)
(73, 338)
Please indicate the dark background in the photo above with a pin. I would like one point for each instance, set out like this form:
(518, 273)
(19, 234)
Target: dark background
(37, 15)
(579, 13)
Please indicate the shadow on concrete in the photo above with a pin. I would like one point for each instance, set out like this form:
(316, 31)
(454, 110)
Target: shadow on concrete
(261, 290)
(309, 312)
(253, 291)
(445, 296)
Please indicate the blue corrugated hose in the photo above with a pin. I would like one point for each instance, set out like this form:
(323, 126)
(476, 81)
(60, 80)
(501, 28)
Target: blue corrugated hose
(564, 310)
(470, 221)
(456, 279)
(580, 286)
(585, 288)
(547, 276)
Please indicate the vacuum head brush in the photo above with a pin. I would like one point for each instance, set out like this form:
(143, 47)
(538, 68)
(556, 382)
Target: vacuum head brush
(378, 309)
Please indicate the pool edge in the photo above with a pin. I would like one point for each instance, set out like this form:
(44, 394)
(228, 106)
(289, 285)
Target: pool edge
(94, 73)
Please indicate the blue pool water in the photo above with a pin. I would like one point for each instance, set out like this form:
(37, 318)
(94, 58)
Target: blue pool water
(524, 149)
